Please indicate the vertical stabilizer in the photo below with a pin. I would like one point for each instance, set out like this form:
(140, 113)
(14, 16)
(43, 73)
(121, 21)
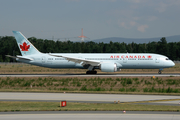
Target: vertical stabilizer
(24, 45)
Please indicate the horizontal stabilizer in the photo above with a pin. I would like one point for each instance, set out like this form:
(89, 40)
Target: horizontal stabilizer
(23, 58)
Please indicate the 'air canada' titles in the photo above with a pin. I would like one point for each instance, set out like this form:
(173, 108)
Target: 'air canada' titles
(131, 56)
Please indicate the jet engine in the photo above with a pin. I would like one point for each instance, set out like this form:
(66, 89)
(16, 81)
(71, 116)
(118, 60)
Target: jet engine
(108, 67)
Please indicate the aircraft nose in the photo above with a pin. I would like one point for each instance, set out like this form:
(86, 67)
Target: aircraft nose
(169, 63)
(172, 63)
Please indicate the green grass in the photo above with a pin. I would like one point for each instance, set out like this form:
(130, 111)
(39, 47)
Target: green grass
(93, 84)
(54, 106)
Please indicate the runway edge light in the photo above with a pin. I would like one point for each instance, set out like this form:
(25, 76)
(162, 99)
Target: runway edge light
(62, 103)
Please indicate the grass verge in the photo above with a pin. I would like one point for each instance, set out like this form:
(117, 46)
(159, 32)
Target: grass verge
(54, 106)
(125, 85)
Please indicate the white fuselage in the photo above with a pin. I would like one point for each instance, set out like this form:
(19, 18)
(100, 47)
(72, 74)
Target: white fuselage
(123, 60)
(106, 62)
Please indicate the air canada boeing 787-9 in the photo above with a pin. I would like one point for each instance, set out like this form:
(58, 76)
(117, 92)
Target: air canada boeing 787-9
(106, 62)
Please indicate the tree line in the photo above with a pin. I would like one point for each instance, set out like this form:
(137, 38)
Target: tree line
(8, 46)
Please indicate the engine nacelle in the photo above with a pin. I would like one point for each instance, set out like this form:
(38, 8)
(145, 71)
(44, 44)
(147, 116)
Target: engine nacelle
(108, 67)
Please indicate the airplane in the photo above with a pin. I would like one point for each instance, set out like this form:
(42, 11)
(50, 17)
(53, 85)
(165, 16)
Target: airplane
(106, 62)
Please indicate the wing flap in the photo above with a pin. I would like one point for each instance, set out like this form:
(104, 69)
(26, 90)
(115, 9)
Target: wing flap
(79, 60)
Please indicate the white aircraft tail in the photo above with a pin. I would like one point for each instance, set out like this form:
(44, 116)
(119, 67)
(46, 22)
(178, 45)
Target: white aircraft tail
(24, 45)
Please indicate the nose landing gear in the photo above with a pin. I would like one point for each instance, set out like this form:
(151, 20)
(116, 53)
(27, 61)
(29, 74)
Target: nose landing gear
(160, 71)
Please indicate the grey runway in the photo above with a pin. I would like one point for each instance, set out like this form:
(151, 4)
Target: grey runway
(171, 103)
(80, 97)
(87, 75)
(92, 112)
(89, 115)
(154, 103)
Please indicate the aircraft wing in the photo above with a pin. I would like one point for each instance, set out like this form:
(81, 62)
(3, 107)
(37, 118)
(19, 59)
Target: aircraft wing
(79, 60)
(22, 58)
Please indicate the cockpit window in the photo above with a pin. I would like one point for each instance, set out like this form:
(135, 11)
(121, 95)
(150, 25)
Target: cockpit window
(167, 58)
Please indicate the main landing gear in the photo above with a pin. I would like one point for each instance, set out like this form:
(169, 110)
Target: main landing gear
(160, 71)
(91, 72)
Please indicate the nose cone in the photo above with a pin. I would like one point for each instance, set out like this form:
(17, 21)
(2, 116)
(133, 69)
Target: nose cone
(168, 64)
(171, 64)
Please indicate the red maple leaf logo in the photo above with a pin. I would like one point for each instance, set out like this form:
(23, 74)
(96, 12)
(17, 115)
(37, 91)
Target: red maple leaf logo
(149, 56)
(24, 47)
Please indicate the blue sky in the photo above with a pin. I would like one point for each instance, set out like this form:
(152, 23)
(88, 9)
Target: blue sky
(99, 18)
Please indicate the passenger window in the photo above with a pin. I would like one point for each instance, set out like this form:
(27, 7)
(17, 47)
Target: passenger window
(167, 58)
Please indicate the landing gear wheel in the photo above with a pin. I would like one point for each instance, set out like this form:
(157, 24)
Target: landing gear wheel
(159, 72)
(91, 72)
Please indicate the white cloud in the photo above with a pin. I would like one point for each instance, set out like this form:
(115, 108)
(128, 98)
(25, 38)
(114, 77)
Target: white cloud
(136, 18)
(152, 18)
(162, 7)
(142, 28)
(167, 4)
(122, 24)
(132, 23)
(127, 25)
(136, 1)
(72, 0)
(112, 0)
(176, 2)
(108, 0)
(143, 15)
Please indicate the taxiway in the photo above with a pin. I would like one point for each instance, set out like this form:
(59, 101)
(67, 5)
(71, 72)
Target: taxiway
(89, 115)
(89, 98)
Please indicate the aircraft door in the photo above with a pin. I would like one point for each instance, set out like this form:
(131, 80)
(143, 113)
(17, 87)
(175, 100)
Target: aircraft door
(43, 60)
(157, 60)
(124, 60)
